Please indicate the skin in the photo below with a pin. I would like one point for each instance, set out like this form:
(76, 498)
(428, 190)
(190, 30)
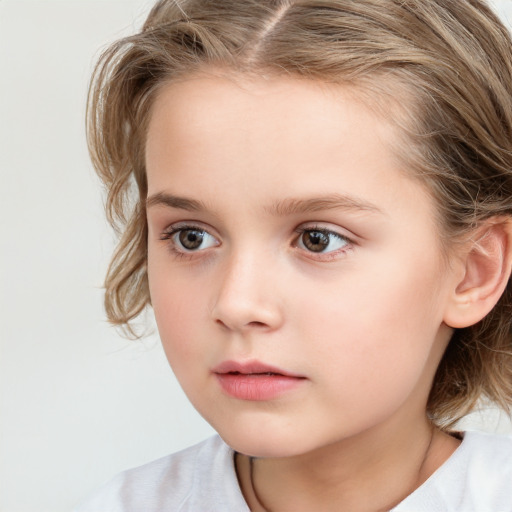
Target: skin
(362, 321)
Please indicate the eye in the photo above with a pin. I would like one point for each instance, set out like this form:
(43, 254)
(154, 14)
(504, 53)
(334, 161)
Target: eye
(189, 239)
(321, 240)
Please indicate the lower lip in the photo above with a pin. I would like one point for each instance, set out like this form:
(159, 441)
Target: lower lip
(257, 387)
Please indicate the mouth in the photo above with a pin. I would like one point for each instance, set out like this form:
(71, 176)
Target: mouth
(253, 374)
(255, 381)
(252, 368)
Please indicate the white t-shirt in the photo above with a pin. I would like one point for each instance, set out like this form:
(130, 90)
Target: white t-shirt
(476, 478)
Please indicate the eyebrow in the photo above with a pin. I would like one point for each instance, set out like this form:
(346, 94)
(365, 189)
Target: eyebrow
(180, 203)
(293, 206)
(289, 206)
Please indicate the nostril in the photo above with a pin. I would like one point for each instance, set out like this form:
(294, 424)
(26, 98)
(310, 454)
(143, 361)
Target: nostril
(256, 324)
(220, 322)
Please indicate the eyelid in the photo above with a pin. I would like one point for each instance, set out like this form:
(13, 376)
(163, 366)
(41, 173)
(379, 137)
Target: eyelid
(183, 225)
(327, 228)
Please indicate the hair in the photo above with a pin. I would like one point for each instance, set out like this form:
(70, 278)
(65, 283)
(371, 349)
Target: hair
(451, 60)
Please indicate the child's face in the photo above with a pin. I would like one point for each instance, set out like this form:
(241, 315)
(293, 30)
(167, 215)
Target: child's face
(303, 248)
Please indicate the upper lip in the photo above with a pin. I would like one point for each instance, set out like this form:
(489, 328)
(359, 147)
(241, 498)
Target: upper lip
(251, 367)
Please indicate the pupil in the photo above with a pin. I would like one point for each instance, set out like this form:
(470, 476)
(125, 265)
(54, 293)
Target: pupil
(191, 239)
(316, 241)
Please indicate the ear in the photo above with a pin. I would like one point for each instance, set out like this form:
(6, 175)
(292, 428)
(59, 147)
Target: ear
(486, 263)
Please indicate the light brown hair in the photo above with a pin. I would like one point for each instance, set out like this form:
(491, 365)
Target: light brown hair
(450, 59)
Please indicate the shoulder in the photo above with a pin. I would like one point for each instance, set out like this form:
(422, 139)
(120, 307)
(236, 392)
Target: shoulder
(178, 482)
(483, 473)
(487, 464)
(492, 448)
(476, 478)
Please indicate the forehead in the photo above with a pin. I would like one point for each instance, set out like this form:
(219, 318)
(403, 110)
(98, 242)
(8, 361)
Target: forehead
(278, 137)
(195, 105)
(284, 117)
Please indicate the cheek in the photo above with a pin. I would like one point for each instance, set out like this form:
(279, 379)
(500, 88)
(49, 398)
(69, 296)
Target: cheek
(376, 329)
(178, 313)
(178, 310)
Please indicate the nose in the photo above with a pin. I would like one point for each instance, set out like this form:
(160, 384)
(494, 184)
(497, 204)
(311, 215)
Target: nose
(247, 298)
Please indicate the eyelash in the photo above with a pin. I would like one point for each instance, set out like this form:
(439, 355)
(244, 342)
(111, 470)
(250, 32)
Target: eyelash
(189, 254)
(329, 233)
(169, 234)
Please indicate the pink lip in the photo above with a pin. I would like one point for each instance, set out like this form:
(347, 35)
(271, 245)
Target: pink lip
(255, 381)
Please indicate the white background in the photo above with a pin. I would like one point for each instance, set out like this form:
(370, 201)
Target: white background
(77, 403)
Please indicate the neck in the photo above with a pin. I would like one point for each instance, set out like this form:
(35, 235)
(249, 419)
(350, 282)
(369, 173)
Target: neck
(370, 472)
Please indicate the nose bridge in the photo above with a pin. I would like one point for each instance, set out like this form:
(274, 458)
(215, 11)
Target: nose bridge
(246, 295)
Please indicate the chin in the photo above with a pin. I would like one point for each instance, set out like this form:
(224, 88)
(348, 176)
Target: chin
(259, 442)
(260, 448)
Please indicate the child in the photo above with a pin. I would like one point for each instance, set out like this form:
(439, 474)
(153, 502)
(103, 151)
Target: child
(323, 228)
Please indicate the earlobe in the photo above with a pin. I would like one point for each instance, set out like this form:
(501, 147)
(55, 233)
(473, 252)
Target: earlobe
(487, 262)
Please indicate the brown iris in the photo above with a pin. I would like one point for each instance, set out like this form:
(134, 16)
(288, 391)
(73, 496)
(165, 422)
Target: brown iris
(191, 238)
(315, 241)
